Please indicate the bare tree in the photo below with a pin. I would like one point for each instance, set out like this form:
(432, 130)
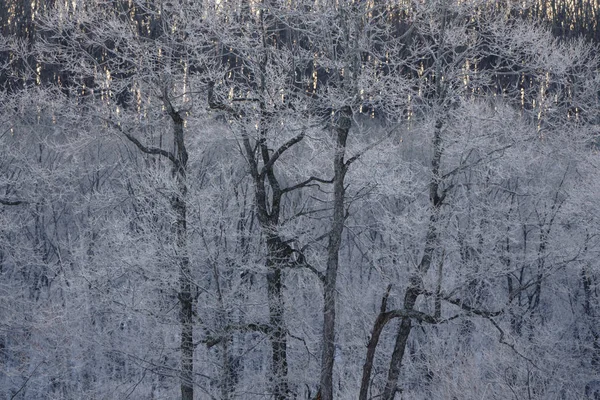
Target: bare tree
(122, 62)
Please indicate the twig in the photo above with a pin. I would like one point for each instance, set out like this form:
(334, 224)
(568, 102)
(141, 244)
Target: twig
(26, 380)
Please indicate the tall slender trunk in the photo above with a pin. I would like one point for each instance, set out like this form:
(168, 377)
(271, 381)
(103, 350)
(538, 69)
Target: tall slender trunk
(400, 346)
(186, 303)
(277, 255)
(185, 296)
(415, 286)
(178, 158)
(378, 326)
(335, 238)
(226, 379)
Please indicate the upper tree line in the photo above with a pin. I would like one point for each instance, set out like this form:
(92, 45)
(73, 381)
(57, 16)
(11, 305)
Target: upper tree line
(566, 18)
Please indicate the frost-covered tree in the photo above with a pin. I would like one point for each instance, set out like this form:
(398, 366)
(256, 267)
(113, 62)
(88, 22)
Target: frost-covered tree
(131, 69)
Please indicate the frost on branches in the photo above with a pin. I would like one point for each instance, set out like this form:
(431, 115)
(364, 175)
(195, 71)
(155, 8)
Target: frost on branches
(298, 200)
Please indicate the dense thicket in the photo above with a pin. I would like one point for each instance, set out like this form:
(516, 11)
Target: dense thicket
(304, 199)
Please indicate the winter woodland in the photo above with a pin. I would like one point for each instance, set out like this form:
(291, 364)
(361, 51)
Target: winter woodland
(302, 199)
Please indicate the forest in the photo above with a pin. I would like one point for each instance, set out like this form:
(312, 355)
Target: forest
(300, 199)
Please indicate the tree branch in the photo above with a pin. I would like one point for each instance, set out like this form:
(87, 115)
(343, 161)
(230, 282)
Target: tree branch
(503, 341)
(465, 166)
(267, 167)
(369, 147)
(7, 202)
(145, 149)
(305, 183)
(213, 341)
(218, 105)
(150, 150)
(459, 303)
(300, 262)
(418, 315)
(26, 380)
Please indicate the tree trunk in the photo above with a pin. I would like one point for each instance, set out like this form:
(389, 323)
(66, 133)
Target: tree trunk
(400, 346)
(277, 254)
(186, 303)
(415, 286)
(378, 326)
(179, 159)
(186, 300)
(335, 239)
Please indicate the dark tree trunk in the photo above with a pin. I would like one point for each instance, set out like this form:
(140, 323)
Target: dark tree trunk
(372, 346)
(277, 254)
(415, 287)
(186, 299)
(333, 248)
